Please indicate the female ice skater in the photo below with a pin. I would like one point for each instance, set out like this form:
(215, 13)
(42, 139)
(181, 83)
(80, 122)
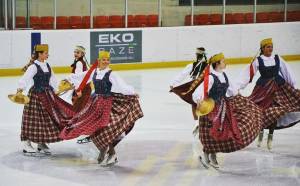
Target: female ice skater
(110, 113)
(80, 65)
(275, 91)
(190, 72)
(45, 113)
(233, 123)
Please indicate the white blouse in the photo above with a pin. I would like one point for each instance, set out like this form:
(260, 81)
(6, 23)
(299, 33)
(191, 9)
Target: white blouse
(27, 78)
(78, 70)
(284, 71)
(198, 94)
(79, 67)
(118, 84)
(184, 74)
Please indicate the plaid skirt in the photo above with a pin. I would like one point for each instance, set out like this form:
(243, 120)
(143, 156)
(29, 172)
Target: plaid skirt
(79, 102)
(276, 101)
(183, 88)
(94, 116)
(125, 112)
(44, 116)
(249, 122)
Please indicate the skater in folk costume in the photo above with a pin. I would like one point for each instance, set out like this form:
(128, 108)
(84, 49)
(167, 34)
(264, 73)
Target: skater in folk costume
(232, 121)
(45, 113)
(191, 72)
(110, 113)
(80, 65)
(274, 92)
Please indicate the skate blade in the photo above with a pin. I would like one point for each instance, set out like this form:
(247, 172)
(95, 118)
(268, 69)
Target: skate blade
(113, 163)
(203, 164)
(109, 164)
(44, 153)
(32, 154)
(28, 153)
(217, 167)
(83, 141)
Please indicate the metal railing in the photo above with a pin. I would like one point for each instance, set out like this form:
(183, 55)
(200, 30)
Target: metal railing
(12, 12)
(5, 14)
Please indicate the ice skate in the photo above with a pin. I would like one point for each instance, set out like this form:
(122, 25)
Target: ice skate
(27, 148)
(102, 156)
(260, 138)
(111, 160)
(204, 160)
(269, 142)
(213, 160)
(84, 140)
(196, 129)
(43, 148)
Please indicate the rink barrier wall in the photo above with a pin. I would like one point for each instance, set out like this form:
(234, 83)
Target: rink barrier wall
(145, 66)
(160, 47)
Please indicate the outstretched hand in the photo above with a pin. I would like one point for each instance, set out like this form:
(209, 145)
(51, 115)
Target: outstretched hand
(19, 91)
(79, 94)
(199, 102)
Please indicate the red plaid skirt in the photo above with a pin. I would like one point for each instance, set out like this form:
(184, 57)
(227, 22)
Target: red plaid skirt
(276, 101)
(80, 102)
(94, 116)
(43, 117)
(184, 88)
(249, 123)
(125, 112)
(224, 123)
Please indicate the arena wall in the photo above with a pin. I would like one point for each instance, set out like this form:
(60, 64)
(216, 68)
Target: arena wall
(161, 47)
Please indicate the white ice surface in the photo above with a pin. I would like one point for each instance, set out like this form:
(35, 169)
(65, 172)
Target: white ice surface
(159, 151)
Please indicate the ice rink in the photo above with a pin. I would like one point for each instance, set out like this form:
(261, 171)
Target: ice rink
(160, 150)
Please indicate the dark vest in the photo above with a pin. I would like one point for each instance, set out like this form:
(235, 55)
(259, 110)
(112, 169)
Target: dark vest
(218, 89)
(41, 79)
(197, 70)
(102, 86)
(79, 61)
(269, 73)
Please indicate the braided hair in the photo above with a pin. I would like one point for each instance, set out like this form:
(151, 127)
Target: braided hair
(197, 67)
(34, 56)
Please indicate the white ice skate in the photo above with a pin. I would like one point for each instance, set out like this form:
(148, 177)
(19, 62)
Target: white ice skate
(260, 138)
(269, 142)
(43, 148)
(205, 160)
(196, 129)
(84, 140)
(111, 160)
(27, 148)
(213, 161)
(104, 161)
(102, 157)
